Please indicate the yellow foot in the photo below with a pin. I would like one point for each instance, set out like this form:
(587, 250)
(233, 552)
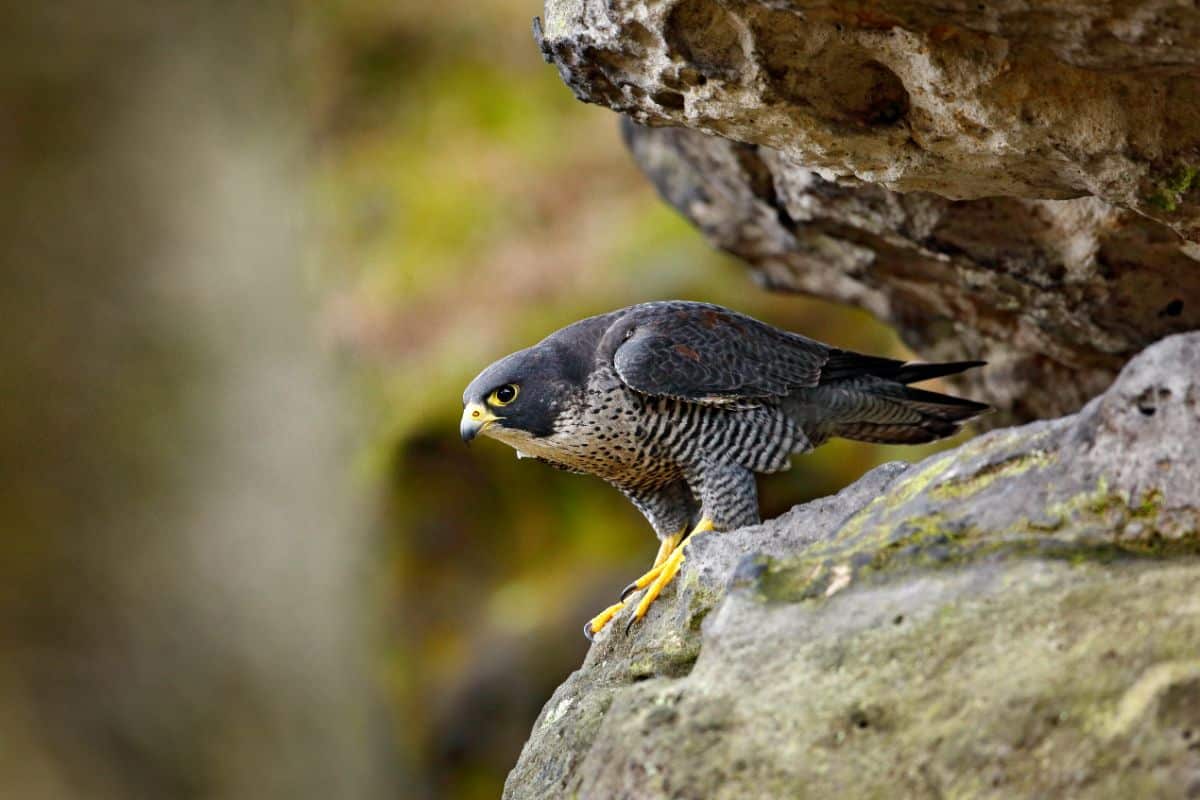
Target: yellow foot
(668, 545)
(666, 565)
(666, 573)
(597, 623)
(665, 549)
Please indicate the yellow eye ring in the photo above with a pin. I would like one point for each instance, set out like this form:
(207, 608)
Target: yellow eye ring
(504, 395)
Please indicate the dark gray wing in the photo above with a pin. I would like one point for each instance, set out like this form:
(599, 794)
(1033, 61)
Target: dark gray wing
(709, 354)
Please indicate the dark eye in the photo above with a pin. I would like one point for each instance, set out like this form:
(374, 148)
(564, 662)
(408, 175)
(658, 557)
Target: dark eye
(505, 394)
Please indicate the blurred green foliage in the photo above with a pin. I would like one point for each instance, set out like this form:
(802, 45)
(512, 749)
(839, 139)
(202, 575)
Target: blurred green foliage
(470, 206)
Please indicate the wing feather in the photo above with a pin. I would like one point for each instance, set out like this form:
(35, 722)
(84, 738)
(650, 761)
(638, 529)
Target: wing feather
(708, 354)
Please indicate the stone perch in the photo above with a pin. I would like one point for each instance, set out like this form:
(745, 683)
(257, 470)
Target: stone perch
(1017, 617)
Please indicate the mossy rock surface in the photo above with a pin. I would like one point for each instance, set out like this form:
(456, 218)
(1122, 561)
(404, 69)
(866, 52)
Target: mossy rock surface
(1015, 618)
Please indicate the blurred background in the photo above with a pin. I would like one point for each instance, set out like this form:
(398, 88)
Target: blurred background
(255, 255)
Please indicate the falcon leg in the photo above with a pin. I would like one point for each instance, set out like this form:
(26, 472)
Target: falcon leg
(726, 488)
(667, 507)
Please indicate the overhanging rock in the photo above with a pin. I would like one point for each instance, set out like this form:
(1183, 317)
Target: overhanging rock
(966, 100)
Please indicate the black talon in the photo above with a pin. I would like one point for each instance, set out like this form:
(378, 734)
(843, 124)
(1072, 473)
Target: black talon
(587, 631)
(628, 590)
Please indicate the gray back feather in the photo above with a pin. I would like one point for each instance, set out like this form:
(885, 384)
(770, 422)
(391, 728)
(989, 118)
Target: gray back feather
(708, 354)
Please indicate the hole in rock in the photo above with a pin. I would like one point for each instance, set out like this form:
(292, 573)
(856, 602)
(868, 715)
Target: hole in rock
(668, 99)
(704, 34)
(1148, 401)
(841, 83)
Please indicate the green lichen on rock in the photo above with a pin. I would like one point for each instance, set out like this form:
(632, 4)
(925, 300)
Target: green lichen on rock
(961, 488)
(938, 540)
(1168, 193)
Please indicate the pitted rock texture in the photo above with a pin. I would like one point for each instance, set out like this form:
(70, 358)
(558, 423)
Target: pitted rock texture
(963, 99)
(1014, 618)
(1055, 294)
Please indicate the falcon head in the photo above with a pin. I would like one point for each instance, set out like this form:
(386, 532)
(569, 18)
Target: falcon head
(520, 396)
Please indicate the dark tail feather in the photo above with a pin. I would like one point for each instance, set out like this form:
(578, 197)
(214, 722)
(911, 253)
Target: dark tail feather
(915, 373)
(937, 404)
(868, 399)
(920, 433)
(874, 410)
(846, 365)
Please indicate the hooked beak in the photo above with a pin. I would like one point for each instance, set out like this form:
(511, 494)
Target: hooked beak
(475, 420)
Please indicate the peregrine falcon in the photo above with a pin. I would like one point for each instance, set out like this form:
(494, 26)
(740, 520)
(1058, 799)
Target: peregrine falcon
(677, 404)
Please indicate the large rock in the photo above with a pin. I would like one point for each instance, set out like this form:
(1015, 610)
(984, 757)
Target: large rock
(963, 99)
(1018, 617)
